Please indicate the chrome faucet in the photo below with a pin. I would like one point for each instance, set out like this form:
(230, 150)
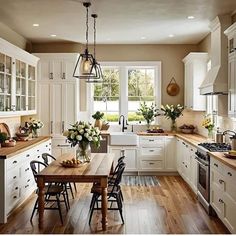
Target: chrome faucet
(123, 123)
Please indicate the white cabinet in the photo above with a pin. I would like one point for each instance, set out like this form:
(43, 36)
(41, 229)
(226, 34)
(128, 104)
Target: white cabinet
(223, 193)
(186, 163)
(16, 178)
(170, 153)
(58, 103)
(17, 81)
(130, 156)
(195, 65)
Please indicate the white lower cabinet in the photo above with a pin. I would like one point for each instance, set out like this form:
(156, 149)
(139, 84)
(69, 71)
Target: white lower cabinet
(17, 181)
(130, 156)
(170, 153)
(186, 163)
(223, 193)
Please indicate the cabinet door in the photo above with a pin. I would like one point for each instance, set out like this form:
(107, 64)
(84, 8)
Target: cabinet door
(193, 169)
(170, 157)
(44, 70)
(130, 159)
(44, 111)
(179, 155)
(56, 67)
(68, 69)
(229, 217)
(69, 100)
(56, 101)
(231, 86)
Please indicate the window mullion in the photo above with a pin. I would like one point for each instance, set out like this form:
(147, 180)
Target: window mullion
(123, 91)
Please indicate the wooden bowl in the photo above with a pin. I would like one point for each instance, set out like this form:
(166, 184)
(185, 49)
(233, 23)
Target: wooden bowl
(227, 155)
(187, 131)
(10, 144)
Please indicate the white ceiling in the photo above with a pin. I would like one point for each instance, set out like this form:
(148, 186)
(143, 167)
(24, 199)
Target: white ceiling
(119, 21)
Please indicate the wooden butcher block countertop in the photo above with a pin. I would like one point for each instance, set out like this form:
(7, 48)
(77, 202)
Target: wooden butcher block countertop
(21, 146)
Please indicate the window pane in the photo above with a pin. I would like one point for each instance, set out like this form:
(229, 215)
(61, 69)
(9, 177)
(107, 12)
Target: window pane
(140, 88)
(107, 94)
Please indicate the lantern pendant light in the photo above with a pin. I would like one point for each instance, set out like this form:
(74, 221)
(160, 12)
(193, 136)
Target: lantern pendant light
(84, 63)
(95, 68)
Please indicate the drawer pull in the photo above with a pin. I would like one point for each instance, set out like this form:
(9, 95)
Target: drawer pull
(15, 197)
(221, 181)
(38, 150)
(215, 164)
(26, 169)
(16, 188)
(27, 155)
(14, 177)
(229, 173)
(151, 140)
(191, 149)
(151, 150)
(14, 162)
(46, 145)
(186, 166)
(221, 201)
(186, 145)
(26, 186)
(28, 180)
(151, 163)
(182, 162)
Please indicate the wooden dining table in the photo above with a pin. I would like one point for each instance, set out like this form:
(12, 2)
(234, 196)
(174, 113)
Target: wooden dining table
(97, 170)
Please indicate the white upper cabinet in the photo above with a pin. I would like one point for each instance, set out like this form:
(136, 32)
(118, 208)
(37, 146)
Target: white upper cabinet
(17, 80)
(57, 66)
(195, 66)
(231, 34)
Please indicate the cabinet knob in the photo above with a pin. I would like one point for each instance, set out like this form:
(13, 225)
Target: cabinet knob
(229, 173)
(221, 181)
(14, 162)
(221, 201)
(215, 164)
(51, 75)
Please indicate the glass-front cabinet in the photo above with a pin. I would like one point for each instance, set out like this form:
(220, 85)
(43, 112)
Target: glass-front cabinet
(17, 80)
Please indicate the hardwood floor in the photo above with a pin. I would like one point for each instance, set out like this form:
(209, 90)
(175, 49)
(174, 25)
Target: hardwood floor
(170, 207)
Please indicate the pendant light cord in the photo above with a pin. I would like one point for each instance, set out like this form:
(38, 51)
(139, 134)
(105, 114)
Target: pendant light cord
(87, 28)
(94, 38)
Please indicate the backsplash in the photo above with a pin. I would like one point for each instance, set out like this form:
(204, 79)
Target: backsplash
(13, 123)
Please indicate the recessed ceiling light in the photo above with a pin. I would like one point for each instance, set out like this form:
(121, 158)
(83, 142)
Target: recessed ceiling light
(36, 25)
(191, 17)
(53, 35)
(143, 37)
(171, 35)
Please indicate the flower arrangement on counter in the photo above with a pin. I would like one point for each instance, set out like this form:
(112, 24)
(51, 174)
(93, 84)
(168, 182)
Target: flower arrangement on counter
(35, 125)
(208, 124)
(172, 112)
(148, 113)
(82, 134)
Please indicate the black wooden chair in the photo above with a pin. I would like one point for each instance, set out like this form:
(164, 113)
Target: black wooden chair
(45, 157)
(51, 190)
(113, 194)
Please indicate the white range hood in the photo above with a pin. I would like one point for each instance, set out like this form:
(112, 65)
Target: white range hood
(216, 80)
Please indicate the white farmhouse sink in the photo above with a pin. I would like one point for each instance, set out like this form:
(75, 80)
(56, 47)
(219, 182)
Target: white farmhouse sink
(123, 138)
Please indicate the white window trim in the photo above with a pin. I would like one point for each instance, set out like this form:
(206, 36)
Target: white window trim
(123, 68)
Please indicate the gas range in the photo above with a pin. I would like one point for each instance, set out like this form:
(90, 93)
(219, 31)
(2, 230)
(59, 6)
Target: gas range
(204, 148)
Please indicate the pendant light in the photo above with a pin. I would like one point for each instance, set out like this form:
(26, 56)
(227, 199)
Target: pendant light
(84, 63)
(96, 68)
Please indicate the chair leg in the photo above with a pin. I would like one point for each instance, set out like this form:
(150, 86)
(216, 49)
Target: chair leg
(75, 187)
(65, 201)
(119, 203)
(92, 202)
(59, 208)
(121, 195)
(72, 194)
(35, 205)
(67, 198)
(94, 199)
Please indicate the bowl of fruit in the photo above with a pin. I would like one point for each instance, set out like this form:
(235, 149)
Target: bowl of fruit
(187, 129)
(9, 143)
(72, 163)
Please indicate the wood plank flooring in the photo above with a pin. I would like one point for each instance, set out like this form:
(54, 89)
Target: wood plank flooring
(169, 207)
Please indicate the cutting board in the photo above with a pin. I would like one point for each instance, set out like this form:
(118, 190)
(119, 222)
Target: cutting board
(4, 128)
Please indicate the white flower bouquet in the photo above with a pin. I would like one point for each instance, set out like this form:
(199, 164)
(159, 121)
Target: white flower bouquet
(35, 124)
(82, 132)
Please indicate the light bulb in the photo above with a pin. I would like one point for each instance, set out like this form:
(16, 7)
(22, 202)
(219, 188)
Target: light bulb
(86, 66)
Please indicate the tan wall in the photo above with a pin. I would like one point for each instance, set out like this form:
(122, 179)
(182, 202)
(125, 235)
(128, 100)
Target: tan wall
(13, 37)
(205, 45)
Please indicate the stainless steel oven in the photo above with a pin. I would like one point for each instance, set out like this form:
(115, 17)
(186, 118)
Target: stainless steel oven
(203, 182)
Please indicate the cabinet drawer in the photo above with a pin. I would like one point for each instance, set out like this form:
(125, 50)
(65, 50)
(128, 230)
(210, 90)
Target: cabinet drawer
(152, 151)
(12, 199)
(217, 179)
(229, 173)
(156, 165)
(15, 186)
(152, 141)
(217, 200)
(216, 165)
(13, 175)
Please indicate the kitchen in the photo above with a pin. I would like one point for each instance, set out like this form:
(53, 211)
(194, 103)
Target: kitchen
(195, 48)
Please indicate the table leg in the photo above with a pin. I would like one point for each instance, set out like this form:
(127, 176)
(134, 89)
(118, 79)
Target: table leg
(104, 208)
(41, 186)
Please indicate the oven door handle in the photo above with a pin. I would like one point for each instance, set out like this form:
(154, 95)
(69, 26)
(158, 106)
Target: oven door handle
(201, 162)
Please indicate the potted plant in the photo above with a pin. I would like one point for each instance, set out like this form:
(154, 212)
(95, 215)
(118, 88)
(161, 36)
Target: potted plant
(98, 119)
(172, 112)
(82, 134)
(3, 137)
(208, 124)
(148, 113)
